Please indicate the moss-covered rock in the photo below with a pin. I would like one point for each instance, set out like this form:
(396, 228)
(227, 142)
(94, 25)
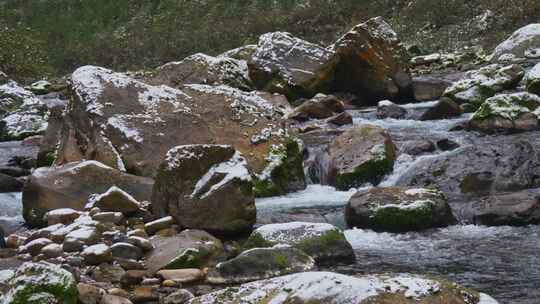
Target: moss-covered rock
(396, 209)
(507, 113)
(41, 283)
(321, 241)
(261, 263)
(284, 172)
(363, 154)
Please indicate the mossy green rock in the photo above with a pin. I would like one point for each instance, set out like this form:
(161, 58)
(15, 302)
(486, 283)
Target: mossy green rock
(363, 154)
(396, 209)
(322, 241)
(507, 113)
(284, 172)
(261, 263)
(41, 283)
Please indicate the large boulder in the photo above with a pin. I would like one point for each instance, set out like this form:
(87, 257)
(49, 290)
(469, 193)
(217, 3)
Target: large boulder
(188, 249)
(522, 40)
(373, 62)
(22, 114)
(196, 180)
(44, 281)
(203, 69)
(333, 288)
(130, 125)
(320, 106)
(479, 85)
(71, 185)
(507, 113)
(517, 208)
(284, 172)
(261, 263)
(428, 88)
(322, 241)
(397, 209)
(291, 66)
(532, 80)
(363, 154)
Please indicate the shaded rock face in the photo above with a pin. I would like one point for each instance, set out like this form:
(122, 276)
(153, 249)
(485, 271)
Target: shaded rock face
(320, 106)
(429, 88)
(203, 69)
(363, 154)
(532, 80)
(291, 66)
(71, 185)
(127, 124)
(507, 113)
(493, 164)
(521, 41)
(9, 184)
(324, 242)
(444, 109)
(188, 249)
(479, 85)
(332, 288)
(398, 209)
(45, 279)
(518, 208)
(194, 181)
(373, 62)
(261, 263)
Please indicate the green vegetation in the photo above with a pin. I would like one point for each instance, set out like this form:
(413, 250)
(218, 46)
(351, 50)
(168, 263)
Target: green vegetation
(53, 37)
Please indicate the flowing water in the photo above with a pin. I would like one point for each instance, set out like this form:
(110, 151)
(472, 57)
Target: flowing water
(501, 261)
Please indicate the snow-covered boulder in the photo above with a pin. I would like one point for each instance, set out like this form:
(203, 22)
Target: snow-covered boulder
(397, 209)
(35, 282)
(479, 85)
(71, 185)
(195, 181)
(130, 125)
(373, 63)
(204, 69)
(261, 263)
(363, 154)
(333, 288)
(520, 42)
(324, 242)
(507, 113)
(532, 80)
(22, 114)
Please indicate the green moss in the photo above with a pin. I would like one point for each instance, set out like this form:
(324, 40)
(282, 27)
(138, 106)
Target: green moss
(280, 260)
(47, 159)
(369, 172)
(189, 258)
(395, 219)
(34, 216)
(256, 241)
(325, 243)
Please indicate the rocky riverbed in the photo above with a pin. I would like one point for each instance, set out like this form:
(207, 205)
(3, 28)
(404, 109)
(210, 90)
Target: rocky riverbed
(282, 172)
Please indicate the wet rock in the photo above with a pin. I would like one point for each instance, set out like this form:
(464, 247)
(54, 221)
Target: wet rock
(2, 240)
(159, 224)
(115, 200)
(324, 242)
(189, 249)
(479, 85)
(447, 144)
(126, 251)
(70, 186)
(89, 294)
(444, 109)
(363, 154)
(261, 263)
(97, 254)
(516, 209)
(181, 296)
(519, 42)
(196, 180)
(340, 119)
(30, 279)
(429, 88)
(532, 80)
(291, 66)
(10, 184)
(333, 288)
(61, 216)
(203, 69)
(373, 62)
(388, 109)
(34, 247)
(507, 113)
(188, 275)
(396, 209)
(319, 107)
(417, 147)
(284, 171)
